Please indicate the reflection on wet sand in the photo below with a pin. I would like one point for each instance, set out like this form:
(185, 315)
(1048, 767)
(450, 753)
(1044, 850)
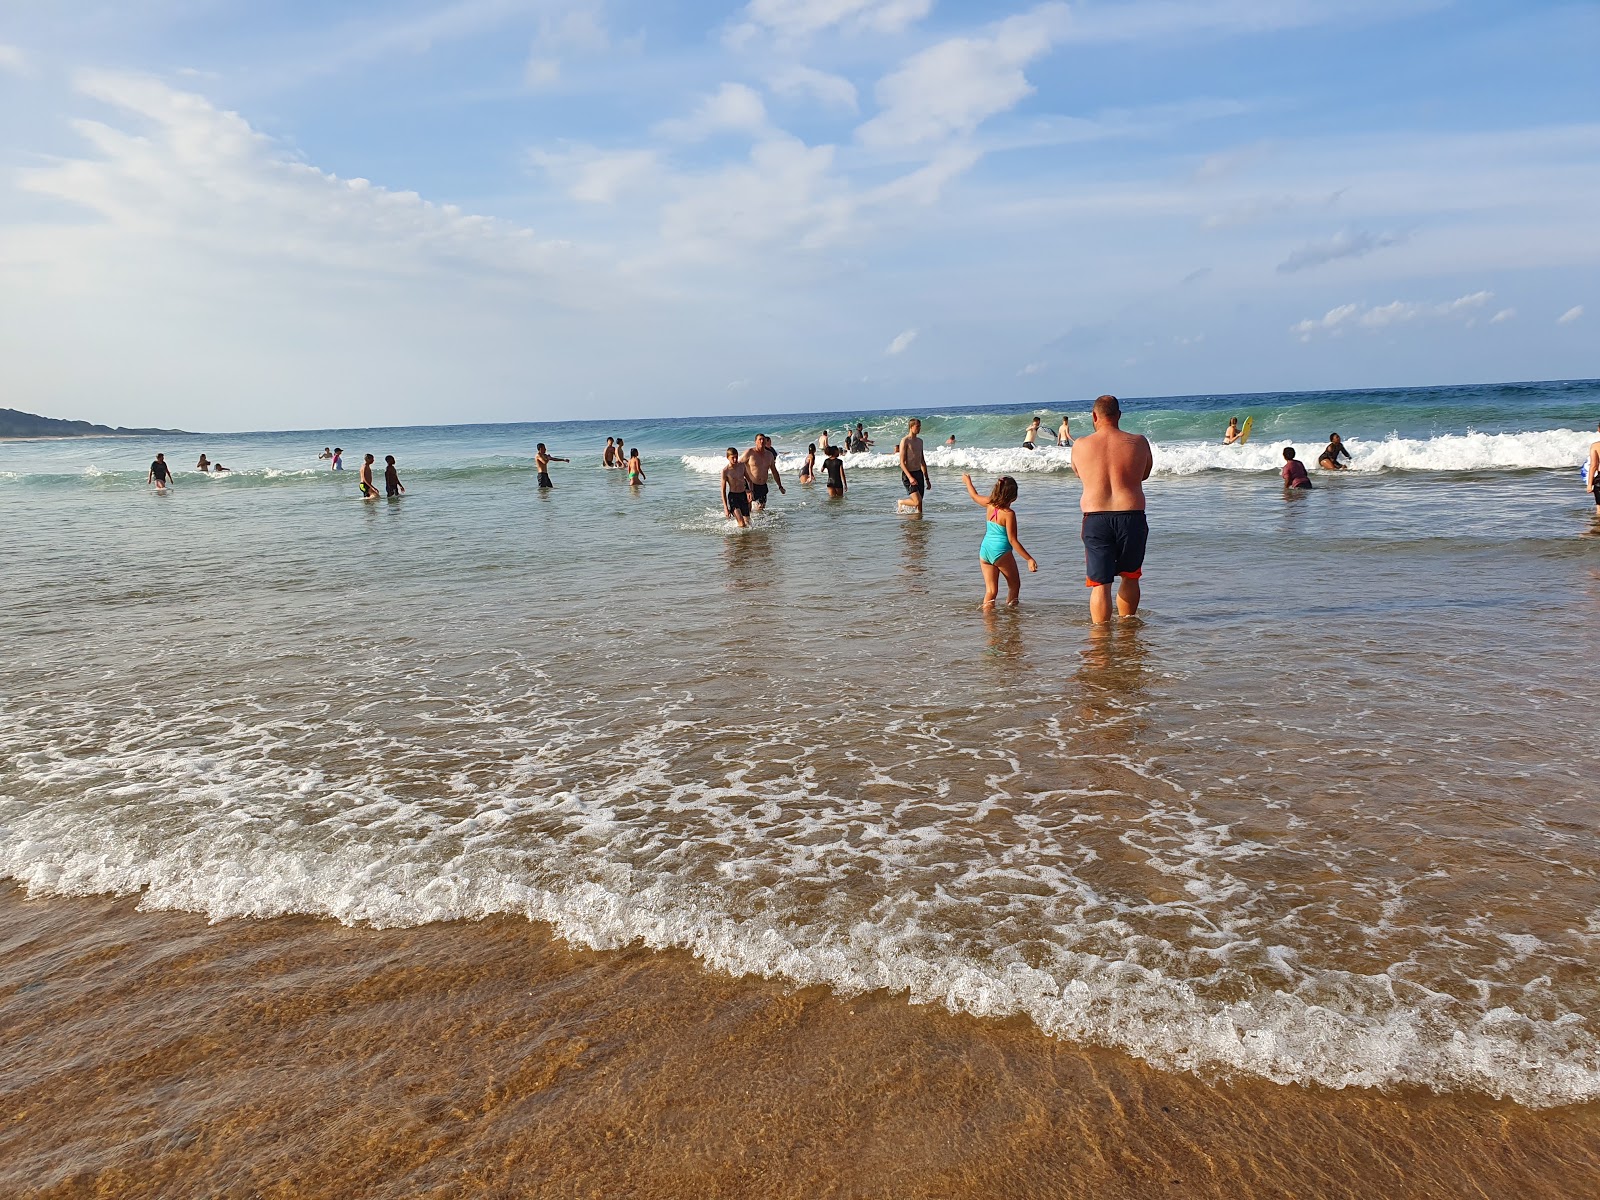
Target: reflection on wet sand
(155, 1055)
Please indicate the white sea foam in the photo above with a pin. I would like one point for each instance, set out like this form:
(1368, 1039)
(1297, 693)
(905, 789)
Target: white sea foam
(1547, 450)
(656, 853)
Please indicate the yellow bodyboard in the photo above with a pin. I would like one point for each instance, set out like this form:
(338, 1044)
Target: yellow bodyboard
(1244, 433)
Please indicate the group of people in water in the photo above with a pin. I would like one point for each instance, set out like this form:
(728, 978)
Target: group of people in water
(1294, 473)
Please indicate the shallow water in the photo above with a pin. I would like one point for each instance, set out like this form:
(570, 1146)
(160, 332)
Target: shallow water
(1324, 817)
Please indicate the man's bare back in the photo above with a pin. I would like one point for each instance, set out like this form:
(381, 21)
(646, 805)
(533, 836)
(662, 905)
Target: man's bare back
(1113, 466)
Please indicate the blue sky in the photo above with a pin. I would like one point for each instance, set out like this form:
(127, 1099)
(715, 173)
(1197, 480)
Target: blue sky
(229, 215)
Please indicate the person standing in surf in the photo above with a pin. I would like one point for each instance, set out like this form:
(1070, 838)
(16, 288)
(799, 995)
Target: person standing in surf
(635, 468)
(760, 461)
(1113, 466)
(1231, 434)
(160, 473)
(1064, 432)
(808, 469)
(1594, 465)
(392, 487)
(542, 459)
(1030, 439)
(736, 490)
(1294, 472)
(338, 460)
(997, 555)
(833, 464)
(609, 459)
(364, 484)
(913, 468)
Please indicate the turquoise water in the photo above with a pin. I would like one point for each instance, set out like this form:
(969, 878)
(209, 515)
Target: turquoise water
(1325, 816)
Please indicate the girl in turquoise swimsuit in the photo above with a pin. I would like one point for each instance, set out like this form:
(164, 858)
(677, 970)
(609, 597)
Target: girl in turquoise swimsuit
(999, 540)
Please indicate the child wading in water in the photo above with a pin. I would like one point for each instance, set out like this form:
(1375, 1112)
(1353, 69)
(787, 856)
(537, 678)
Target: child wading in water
(999, 540)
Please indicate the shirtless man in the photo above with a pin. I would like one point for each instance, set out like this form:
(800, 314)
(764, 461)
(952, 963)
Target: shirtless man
(1031, 438)
(610, 458)
(1064, 432)
(1113, 466)
(542, 459)
(364, 482)
(1594, 465)
(760, 460)
(913, 468)
(736, 490)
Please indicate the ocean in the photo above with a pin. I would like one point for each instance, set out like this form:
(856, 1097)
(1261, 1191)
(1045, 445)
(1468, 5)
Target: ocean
(1321, 821)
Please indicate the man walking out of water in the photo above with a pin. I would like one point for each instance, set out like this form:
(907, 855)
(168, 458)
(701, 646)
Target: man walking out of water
(364, 484)
(1113, 466)
(760, 460)
(159, 473)
(542, 459)
(736, 490)
(913, 468)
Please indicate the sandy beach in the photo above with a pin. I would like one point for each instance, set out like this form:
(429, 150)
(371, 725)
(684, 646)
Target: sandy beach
(154, 1054)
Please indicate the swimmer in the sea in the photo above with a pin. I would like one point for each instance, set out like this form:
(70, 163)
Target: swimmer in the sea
(218, 469)
(1231, 434)
(1064, 432)
(1000, 540)
(635, 468)
(609, 459)
(1294, 471)
(808, 469)
(1594, 465)
(326, 453)
(542, 459)
(392, 487)
(160, 473)
(1328, 460)
(1031, 438)
(204, 465)
(736, 490)
(338, 460)
(364, 483)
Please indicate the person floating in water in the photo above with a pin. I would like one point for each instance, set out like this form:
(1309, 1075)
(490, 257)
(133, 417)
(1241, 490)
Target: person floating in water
(1031, 438)
(1328, 460)
(913, 468)
(1231, 434)
(760, 461)
(736, 490)
(834, 466)
(1064, 432)
(326, 453)
(160, 473)
(364, 484)
(635, 468)
(338, 460)
(610, 457)
(1113, 466)
(950, 441)
(542, 459)
(203, 466)
(808, 469)
(1294, 471)
(218, 469)
(392, 487)
(997, 555)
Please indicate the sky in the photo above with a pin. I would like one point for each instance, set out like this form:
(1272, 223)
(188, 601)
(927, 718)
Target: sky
(227, 215)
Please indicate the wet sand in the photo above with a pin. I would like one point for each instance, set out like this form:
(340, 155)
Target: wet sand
(152, 1054)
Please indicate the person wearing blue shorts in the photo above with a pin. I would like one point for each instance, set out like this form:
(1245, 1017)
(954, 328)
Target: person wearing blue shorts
(1113, 466)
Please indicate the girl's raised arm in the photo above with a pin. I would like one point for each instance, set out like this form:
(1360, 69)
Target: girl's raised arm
(973, 492)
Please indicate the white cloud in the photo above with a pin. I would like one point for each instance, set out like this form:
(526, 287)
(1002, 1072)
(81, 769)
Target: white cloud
(952, 87)
(833, 91)
(1265, 208)
(1396, 312)
(1032, 368)
(732, 108)
(902, 342)
(13, 59)
(1571, 315)
(1150, 20)
(596, 176)
(1231, 162)
(798, 20)
(1349, 243)
(574, 28)
(1505, 314)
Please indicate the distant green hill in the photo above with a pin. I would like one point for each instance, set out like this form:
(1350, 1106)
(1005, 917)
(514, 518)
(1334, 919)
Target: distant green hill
(20, 424)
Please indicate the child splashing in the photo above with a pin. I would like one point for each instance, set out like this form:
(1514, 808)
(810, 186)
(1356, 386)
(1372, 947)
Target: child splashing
(999, 540)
